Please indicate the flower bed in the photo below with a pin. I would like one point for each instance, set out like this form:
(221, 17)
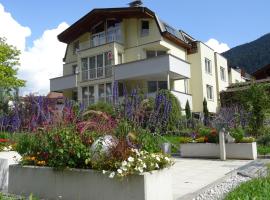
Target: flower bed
(73, 184)
(207, 150)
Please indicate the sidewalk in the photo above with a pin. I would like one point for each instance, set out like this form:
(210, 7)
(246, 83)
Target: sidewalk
(191, 175)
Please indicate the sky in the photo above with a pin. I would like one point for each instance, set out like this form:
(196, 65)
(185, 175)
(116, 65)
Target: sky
(32, 26)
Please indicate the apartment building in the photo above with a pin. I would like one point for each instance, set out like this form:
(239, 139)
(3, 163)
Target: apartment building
(133, 48)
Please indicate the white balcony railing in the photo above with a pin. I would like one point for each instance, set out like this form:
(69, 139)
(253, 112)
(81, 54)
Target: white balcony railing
(113, 35)
(100, 72)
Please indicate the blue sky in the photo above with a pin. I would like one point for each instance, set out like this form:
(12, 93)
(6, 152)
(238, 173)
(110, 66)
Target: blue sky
(232, 21)
(33, 25)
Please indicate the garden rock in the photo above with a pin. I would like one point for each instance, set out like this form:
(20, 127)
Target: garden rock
(102, 146)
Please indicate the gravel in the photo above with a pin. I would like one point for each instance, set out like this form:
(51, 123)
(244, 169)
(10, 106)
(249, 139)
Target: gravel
(220, 190)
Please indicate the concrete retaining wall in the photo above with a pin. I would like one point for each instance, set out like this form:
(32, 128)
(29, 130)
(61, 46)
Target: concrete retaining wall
(78, 184)
(246, 151)
(6, 159)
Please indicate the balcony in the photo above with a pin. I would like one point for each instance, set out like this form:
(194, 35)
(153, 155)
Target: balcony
(159, 66)
(97, 73)
(112, 35)
(63, 83)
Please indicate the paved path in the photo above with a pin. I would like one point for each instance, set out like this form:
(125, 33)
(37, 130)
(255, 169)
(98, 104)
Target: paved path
(191, 175)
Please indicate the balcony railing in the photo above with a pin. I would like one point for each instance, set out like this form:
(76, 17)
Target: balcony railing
(113, 35)
(97, 73)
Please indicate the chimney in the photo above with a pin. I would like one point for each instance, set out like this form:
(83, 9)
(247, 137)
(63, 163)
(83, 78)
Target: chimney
(137, 3)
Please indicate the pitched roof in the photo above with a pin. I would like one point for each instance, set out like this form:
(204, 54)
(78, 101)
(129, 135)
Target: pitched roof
(83, 25)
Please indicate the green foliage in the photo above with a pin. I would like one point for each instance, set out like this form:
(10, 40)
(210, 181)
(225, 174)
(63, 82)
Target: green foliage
(205, 112)
(26, 144)
(264, 140)
(184, 140)
(204, 131)
(123, 128)
(247, 140)
(9, 59)
(250, 56)
(255, 189)
(175, 114)
(210, 135)
(103, 107)
(148, 141)
(263, 150)
(188, 111)
(237, 133)
(256, 100)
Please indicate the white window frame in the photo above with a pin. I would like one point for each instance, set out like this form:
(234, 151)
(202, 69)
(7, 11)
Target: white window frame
(208, 66)
(144, 32)
(222, 73)
(210, 92)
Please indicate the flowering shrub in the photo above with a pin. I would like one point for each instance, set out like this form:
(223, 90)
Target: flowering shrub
(137, 163)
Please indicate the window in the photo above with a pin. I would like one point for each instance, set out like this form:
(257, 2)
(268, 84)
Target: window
(101, 92)
(84, 67)
(92, 67)
(222, 74)
(144, 28)
(151, 54)
(108, 58)
(154, 86)
(108, 92)
(208, 66)
(74, 69)
(76, 46)
(209, 90)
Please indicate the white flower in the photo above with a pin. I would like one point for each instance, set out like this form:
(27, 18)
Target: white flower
(157, 166)
(104, 172)
(112, 175)
(140, 169)
(130, 159)
(158, 159)
(124, 163)
(140, 160)
(144, 165)
(153, 155)
(124, 168)
(167, 159)
(119, 171)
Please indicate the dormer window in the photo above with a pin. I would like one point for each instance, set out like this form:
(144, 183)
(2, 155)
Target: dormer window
(144, 28)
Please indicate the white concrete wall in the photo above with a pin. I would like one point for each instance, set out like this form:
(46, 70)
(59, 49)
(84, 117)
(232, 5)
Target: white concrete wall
(78, 184)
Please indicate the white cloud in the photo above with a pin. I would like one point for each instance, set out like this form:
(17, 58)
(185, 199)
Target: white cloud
(217, 46)
(12, 30)
(40, 62)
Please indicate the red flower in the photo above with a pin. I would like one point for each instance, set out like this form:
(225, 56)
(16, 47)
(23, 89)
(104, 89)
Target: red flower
(3, 140)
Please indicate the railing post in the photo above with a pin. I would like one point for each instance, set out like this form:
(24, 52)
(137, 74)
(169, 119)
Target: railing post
(222, 146)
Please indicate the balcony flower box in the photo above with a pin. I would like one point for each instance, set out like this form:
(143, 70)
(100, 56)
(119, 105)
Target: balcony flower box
(245, 151)
(71, 184)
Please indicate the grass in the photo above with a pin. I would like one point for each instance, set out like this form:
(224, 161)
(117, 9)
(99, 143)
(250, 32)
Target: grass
(174, 140)
(256, 189)
(13, 197)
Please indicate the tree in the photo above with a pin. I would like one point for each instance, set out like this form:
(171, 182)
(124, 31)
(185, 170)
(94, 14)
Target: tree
(9, 59)
(256, 100)
(187, 110)
(205, 112)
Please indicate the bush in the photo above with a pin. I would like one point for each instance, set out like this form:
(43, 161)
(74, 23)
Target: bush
(263, 150)
(175, 114)
(237, 133)
(184, 140)
(264, 140)
(103, 107)
(148, 141)
(247, 140)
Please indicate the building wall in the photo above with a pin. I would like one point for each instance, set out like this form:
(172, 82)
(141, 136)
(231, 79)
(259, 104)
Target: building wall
(235, 76)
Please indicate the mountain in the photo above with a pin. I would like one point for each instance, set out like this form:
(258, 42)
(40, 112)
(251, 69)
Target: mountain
(250, 56)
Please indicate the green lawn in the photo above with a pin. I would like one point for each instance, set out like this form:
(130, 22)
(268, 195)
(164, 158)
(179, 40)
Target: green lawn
(256, 189)
(174, 140)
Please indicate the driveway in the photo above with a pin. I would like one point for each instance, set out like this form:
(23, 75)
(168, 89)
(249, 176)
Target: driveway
(191, 175)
